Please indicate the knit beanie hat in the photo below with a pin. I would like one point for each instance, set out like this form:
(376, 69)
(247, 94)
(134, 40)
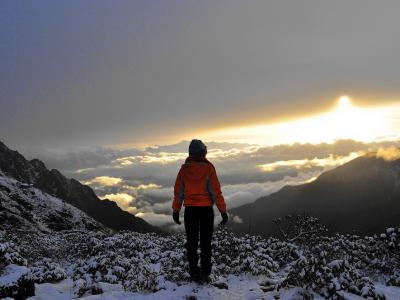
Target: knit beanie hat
(197, 147)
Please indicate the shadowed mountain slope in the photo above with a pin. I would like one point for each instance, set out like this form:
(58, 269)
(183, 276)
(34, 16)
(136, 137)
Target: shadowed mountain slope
(52, 182)
(23, 207)
(361, 196)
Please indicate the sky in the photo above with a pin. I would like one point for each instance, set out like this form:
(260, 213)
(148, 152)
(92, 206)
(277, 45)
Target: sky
(111, 93)
(78, 73)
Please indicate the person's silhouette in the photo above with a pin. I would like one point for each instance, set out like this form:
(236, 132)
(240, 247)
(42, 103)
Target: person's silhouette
(197, 187)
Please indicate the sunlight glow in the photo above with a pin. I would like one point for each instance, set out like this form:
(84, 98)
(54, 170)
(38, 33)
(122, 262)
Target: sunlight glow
(161, 157)
(330, 161)
(344, 103)
(123, 200)
(103, 181)
(388, 154)
(345, 121)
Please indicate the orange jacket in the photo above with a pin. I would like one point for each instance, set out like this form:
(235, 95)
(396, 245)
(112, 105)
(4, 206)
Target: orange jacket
(197, 184)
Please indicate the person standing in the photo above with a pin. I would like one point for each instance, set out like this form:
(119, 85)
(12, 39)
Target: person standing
(197, 188)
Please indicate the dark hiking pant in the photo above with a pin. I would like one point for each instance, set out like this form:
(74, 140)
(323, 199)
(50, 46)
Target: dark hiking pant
(199, 219)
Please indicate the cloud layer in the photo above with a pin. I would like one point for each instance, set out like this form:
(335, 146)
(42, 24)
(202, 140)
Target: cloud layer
(140, 181)
(388, 154)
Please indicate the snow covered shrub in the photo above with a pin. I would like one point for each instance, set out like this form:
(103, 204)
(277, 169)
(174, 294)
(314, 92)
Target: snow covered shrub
(237, 255)
(174, 265)
(300, 228)
(87, 274)
(15, 279)
(311, 259)
(10, 254)
(329, 278)
(82, 287)
(387, 248)
(47, 270)
(379, 254)
(124, 258)
(16, 283)
(73, 245)
(394, 280)
(140, 277)
(283, 252)
(392, 237)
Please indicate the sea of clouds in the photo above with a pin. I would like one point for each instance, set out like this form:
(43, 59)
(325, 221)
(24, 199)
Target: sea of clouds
(140, 181)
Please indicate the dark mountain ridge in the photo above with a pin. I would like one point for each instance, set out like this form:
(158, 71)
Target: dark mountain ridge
(361, 196)
(34, 172)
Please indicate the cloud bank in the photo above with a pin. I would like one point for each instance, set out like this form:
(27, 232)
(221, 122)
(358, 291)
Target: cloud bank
(388, 154)
(140, 181)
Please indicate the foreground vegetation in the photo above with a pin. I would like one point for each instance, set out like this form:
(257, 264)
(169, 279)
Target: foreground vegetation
(307, 256)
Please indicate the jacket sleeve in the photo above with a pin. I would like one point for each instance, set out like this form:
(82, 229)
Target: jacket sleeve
(214, 188)
(179, 193)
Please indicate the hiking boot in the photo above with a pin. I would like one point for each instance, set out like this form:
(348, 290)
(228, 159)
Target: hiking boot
(205, 279)
(195, 277)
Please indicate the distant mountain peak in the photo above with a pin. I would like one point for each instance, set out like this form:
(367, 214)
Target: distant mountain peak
(38, 163)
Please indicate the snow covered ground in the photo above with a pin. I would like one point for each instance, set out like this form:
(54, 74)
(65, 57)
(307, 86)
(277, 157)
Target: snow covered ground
(147, 266)
(239, 287)
(54, 251)
(12, 273)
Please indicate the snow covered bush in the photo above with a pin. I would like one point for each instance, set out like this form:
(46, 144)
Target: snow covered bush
(140, 277)
(16, 283)
(88, 286)
(46, 270)
(283, 252)
(172, 258)
(237, 255)
(110, 269)
(378, 255)
(328, 264)
(139, 261)
(300, 228)
(10, 254)
(394, 280)
(15, 278)
(123, 258)
(328, 278)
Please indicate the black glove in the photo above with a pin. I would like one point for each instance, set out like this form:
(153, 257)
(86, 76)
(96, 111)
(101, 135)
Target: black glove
(224, 218)
(175, 216)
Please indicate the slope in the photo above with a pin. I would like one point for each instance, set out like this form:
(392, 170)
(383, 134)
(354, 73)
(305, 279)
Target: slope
(362, 196)
(34, 172)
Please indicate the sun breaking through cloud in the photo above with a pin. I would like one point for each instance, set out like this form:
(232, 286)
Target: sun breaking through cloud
(345, 121)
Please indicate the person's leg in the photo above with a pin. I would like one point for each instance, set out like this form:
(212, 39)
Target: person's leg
(206, 232)
(191, 219)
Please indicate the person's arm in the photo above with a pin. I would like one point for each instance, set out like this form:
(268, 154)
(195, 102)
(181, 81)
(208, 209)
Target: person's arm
(179, 193)
(215, 191)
